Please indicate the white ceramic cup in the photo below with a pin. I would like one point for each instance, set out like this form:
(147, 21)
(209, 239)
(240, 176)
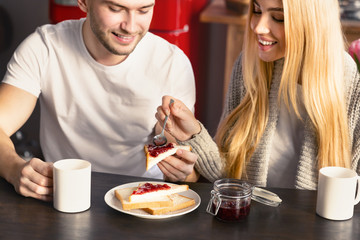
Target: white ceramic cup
(337, 188)
(72, 185)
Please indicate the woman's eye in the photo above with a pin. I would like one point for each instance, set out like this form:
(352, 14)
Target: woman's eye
(256, 10)
(278, 18)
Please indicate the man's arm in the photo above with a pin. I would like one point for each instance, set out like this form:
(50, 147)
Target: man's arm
(33, 178)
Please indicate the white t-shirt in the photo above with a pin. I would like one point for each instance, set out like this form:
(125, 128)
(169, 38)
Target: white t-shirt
(104, 114)
(286, 146)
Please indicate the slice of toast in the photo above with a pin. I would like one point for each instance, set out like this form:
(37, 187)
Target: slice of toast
(123, 195)
(167, 150)
(180, 202)
(153, 195)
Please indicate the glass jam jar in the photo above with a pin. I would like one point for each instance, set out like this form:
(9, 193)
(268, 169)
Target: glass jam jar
(230, 199)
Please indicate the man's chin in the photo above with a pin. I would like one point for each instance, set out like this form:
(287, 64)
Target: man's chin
(123, 53)
(123, 49)
(120, 51)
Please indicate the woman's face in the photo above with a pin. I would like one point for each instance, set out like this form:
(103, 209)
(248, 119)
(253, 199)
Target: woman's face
(267, 22)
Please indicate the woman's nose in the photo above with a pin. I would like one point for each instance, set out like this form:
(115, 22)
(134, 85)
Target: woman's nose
(262, 26)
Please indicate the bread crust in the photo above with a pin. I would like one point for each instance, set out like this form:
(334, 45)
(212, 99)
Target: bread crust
(180, 202)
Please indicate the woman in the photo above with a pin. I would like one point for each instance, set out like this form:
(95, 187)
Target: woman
(291, 105)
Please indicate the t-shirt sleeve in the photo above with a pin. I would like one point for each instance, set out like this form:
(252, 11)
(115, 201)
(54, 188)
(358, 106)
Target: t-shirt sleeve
(184, 85)
(25, 67)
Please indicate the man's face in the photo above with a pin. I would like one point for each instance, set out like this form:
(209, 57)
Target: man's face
(119, 25)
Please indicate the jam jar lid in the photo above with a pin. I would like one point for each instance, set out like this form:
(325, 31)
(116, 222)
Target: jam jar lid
(233, 188)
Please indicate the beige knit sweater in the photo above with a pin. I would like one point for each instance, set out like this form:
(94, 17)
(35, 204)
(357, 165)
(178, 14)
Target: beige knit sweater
(211, 166)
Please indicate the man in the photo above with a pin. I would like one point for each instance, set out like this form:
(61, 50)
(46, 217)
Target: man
(99, 81)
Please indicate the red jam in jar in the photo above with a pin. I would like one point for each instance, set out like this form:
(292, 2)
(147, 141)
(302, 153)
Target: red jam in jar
(232, 210)
(230, 200)
(149, 187)
(154, 150)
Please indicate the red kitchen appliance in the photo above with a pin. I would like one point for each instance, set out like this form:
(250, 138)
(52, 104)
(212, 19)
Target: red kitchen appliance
(178, 22)
(174, 20)
(171, 20)
(60, 10)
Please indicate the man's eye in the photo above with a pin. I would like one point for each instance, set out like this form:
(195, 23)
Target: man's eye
(144, 11)
(115, 9)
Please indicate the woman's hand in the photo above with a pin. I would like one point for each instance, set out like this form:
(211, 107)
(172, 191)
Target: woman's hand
(178, 167)
(182, 123)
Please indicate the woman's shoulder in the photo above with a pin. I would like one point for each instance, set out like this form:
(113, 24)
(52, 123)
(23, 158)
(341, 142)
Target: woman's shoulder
(351, 74)
(349, 62)
(236, 89)
(238, 62)
(237, 68)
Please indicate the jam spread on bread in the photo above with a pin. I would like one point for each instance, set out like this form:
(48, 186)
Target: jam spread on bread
(154, 150)
(149, 187)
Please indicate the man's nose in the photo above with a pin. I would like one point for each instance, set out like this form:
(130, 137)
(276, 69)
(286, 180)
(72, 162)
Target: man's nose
(129, 24)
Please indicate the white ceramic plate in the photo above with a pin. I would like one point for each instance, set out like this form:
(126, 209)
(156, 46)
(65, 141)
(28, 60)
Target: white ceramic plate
(114, 203)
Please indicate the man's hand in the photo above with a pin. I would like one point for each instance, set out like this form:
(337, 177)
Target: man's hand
(34, 179)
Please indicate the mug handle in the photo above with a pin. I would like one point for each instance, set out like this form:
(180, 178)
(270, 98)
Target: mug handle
(357, 199)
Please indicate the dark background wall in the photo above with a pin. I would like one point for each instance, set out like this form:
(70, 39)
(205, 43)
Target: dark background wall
(26, 15)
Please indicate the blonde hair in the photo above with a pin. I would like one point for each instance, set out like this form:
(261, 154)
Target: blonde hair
(314, 58)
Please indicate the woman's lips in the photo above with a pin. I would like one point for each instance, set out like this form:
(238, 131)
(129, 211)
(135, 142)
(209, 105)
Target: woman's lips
(265, 45)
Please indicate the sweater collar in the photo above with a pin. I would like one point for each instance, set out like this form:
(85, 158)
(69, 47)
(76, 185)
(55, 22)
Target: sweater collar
(278, 68)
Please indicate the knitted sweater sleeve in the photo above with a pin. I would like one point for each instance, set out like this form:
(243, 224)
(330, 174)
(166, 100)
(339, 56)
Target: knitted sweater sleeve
(209, 164)
(353, 97)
